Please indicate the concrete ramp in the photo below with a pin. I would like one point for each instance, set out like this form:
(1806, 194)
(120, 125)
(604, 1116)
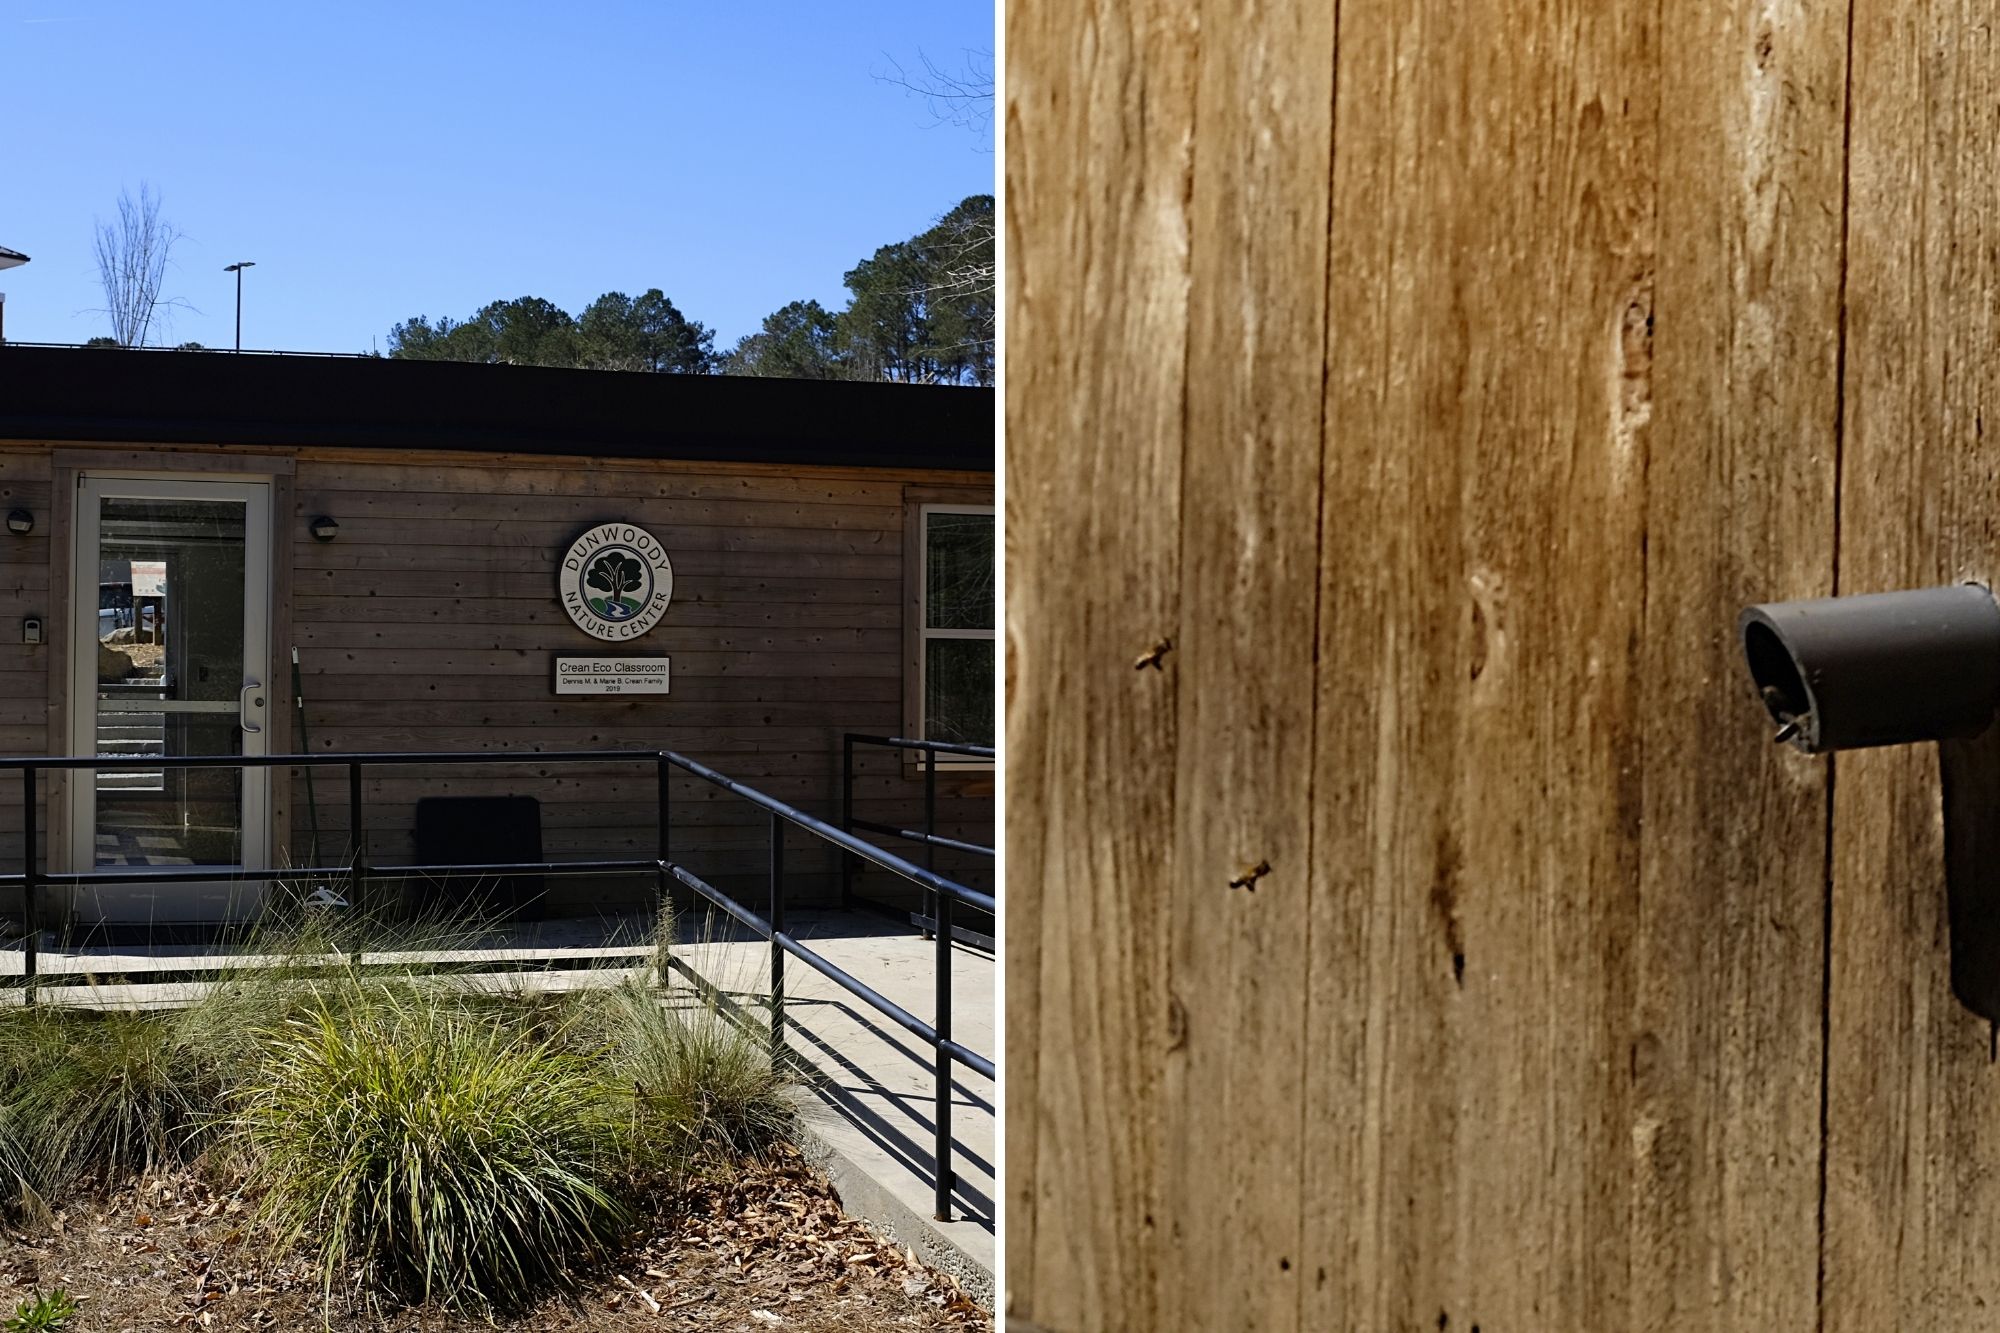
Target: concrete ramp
(869, 1104)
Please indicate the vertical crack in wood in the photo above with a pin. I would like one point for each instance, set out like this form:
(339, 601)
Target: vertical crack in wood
(1839, 466)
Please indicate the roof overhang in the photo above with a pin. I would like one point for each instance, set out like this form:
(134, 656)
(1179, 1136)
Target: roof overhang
(99, 394)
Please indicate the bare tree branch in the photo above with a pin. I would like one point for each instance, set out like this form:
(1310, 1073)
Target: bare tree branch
(963, 97)
(132, 255)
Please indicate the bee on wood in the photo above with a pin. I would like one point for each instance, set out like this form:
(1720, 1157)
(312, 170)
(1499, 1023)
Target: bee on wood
(1788, 725)
(1247, 877)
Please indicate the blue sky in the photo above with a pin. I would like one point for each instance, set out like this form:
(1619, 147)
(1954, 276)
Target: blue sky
(381, 160)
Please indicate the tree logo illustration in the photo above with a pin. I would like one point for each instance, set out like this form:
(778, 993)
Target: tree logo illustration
(614, 574)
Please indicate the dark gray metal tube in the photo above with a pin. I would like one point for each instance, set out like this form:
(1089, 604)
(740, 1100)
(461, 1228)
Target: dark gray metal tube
(1845, 673)
(31, 921)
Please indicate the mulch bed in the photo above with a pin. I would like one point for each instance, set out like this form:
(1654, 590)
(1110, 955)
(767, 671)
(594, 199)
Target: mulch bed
(766, 1250)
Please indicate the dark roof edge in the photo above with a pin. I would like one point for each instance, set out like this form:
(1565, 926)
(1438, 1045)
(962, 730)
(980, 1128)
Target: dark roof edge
(100, 395)
(58, 430)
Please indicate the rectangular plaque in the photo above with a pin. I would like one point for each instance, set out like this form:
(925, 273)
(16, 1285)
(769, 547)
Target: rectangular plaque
(149, 578)
(611, 675)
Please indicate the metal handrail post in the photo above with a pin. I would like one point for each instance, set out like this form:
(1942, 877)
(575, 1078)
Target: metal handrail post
(846, 820)
(665, 772)
(930, 827)
(945, 1177)
(357, 842)
(777, 920)
(30, 918)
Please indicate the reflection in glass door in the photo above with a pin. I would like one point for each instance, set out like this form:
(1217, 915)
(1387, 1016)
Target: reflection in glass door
(172, 659)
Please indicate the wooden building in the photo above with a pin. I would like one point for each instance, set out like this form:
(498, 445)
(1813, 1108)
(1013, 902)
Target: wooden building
(182, 524)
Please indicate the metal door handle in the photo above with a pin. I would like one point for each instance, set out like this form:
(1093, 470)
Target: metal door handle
(252, 697)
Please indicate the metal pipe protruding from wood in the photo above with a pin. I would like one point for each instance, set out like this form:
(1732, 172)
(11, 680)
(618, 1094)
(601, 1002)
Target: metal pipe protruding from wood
(1847, 673)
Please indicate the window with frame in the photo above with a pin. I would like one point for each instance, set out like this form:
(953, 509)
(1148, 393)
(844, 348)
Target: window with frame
(956, 651)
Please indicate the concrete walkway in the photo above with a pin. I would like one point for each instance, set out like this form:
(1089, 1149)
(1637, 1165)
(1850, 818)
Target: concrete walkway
(873, 1104)
(868, 1108)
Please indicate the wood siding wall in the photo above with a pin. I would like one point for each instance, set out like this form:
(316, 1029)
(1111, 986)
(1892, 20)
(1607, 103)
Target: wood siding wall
(1441, 379)
(432, 622)
(24, 669)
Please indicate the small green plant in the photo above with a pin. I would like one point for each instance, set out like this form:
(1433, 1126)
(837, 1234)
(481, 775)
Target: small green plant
(455, 1159)
(43, 1313)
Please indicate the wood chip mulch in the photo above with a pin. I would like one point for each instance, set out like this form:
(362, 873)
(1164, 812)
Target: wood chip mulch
(769, 1249)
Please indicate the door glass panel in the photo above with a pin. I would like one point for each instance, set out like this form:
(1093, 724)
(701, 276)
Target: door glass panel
(169, 673)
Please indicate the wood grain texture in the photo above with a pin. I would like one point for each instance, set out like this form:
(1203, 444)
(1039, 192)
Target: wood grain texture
(29, 675)
(431, 623)
(1523, 1029)
(1912, 1194)
(1250, 521)
(1472, 973)
(1724, 1057)
(282, 721)
(1097, 283)
(56, 630)
(447, 566)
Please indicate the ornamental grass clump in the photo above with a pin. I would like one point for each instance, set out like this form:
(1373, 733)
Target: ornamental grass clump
(703, 1087)
(18, 1195)
(305, 959)
(450, 1159)
(109, 1095)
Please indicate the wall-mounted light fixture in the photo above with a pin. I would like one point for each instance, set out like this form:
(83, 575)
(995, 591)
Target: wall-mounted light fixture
(325, 529)
(20, 522)
(1850, 673)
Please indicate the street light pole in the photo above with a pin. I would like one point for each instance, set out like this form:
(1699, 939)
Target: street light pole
(237, 269)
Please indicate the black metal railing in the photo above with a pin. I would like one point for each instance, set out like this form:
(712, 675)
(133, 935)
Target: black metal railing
(360, 873)
(936, 1035)
(927, 837)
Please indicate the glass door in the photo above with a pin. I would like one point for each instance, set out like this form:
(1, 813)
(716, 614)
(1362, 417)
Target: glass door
(171, 658)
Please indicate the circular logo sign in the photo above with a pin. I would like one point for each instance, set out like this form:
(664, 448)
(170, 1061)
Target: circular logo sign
(615, 581)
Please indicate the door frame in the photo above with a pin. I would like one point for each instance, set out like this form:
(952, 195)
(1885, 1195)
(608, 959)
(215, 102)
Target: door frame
(71, 835)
